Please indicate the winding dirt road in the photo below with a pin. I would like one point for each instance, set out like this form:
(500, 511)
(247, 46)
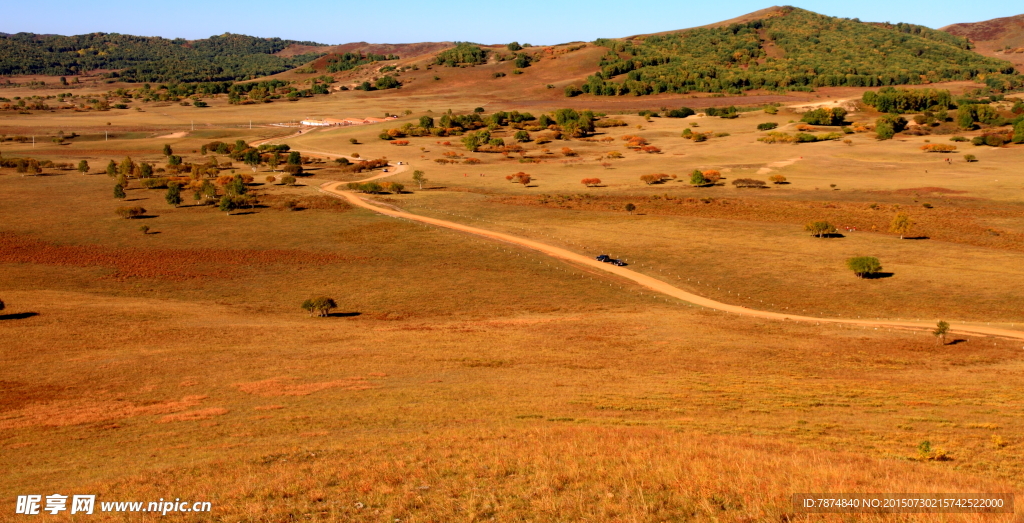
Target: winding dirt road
(332, 188)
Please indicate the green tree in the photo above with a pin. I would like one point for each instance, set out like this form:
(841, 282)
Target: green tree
(820, 228)
(697, 178)
(119, 192)
(127, 166)
(320, 306)
(1018, 131)
(426, 122)
(252, 159)
(419, 178)
(522, 136)
(965, 117)
(83, 167)
(514, 46)
(173, 195)
(111, 169)
(941, 329)
(227, 204)
(471, 141)
(630, 208)
(167, 150)
(864, 265)
(294, 158)
(273, 161)
(901, 224)
(236, 187)
(208, 189)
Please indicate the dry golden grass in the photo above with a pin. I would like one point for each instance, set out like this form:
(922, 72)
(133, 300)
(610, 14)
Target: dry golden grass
(464, 380)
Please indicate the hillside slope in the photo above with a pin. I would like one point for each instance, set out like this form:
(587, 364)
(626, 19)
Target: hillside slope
(787, 49)
(1000, 37)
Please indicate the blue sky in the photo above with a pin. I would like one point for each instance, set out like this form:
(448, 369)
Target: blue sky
(482, 21)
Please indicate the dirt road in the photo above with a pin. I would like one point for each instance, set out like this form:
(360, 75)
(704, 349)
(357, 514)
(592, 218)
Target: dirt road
(647, 281)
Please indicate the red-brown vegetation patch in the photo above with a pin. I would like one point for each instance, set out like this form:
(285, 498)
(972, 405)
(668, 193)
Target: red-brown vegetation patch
(269, 407)
(284, 386)
(61, 413)
(923, 190)
(166, 264)
(193, 415)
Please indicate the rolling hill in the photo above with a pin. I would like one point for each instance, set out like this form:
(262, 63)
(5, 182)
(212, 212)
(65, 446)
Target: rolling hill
(1000, 37)
(786, 49)
(148, 59)
(770, 51)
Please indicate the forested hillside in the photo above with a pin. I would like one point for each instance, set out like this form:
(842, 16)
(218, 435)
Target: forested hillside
(147, 59)
(789, 49)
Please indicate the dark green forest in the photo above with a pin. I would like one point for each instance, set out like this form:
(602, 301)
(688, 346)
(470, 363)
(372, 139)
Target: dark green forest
(347, 61)
(791, 49)
(147, 59)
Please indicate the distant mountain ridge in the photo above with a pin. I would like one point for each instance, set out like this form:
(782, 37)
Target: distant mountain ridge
(148, 59)
(775, 49)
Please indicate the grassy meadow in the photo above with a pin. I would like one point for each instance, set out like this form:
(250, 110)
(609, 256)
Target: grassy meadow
(463, 379)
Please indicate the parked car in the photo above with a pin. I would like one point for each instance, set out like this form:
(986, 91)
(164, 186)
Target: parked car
(602, 258)
(618, 263)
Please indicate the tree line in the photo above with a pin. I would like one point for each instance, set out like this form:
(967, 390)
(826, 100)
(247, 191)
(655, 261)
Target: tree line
(148, 59)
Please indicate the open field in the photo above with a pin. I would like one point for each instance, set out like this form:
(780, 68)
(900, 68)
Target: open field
(465, 379)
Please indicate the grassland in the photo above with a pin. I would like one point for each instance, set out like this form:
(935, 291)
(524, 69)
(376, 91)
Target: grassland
(463, 379)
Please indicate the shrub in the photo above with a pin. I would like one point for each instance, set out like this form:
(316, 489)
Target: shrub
(748, 182)
(938, 148)
(130, 212)
(293, 169)
(820, 228)
(970, 158)
(654, 178)
(958, 139)
(270, 179)
(399, 142)
(590, 182)
(682, 112)
(825, 116)
(320, 306)
(288, 180)
(767, 126)
(864, 265)
(777, 178)
(154, 183)
(568, 152)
